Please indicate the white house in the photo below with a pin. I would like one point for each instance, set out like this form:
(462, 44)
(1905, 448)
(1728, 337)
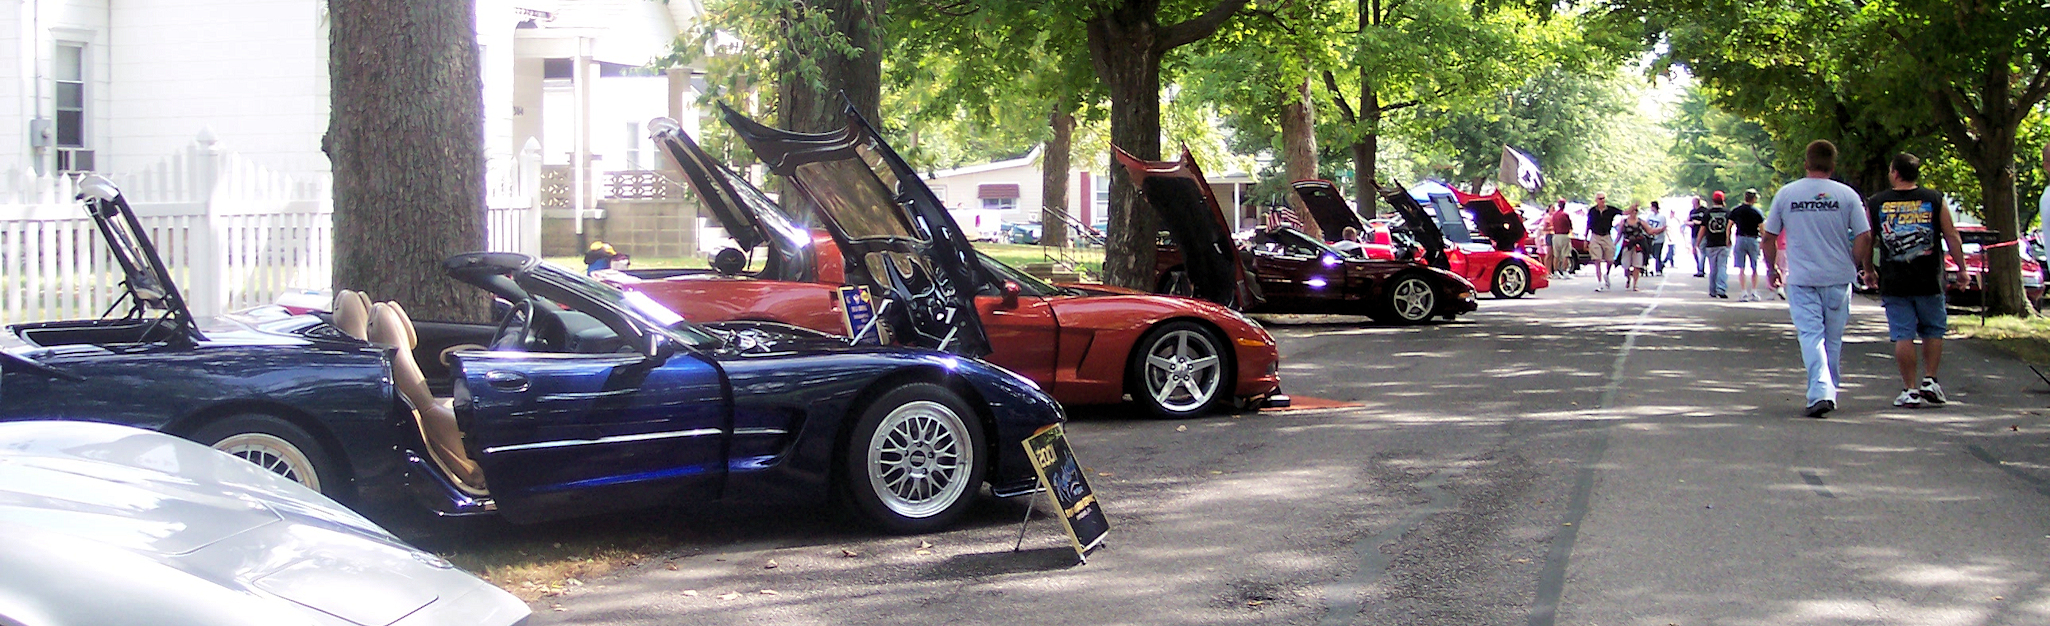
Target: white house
(116, 85)
(1011, 191)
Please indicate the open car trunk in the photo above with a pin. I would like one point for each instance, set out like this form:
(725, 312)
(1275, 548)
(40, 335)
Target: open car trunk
(1189, 211)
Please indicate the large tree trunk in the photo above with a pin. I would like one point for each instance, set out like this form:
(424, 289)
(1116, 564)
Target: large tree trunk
(406, 141)
(1299, 150)
(1054, 214)
(1366, 172)
(1994, 166)
(1126, 44)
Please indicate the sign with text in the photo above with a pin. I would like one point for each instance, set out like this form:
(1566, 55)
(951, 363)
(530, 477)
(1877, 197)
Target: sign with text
(860, 316)
(1058, 471)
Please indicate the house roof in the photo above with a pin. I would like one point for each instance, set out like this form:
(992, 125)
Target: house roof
(624, 32)
(1023, 161)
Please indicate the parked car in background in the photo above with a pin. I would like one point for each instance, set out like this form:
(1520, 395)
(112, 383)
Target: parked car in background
(1085, 344)
(1496, 266)
(107, 524)
(1968, 284)
(580, 399)
(1281, 269)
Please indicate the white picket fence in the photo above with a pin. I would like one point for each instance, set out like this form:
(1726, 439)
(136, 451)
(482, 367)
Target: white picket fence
(232, 234)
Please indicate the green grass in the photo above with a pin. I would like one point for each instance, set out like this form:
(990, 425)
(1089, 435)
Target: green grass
(2025, 337)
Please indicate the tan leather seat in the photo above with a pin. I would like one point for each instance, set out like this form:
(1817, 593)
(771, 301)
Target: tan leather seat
(436, 417)
(352, 313)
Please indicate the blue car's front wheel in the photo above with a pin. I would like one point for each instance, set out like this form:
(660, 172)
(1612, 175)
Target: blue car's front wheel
(915, 459)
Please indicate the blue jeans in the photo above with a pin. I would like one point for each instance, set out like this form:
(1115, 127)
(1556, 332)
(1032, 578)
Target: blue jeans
(1718, 270)
(1698, 260)
(1819, 315)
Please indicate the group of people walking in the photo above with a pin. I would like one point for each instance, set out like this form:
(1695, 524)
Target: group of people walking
(1817, 240)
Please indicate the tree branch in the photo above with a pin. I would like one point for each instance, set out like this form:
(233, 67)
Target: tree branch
(1196, 28)
(1338, 96)
(2039, 88)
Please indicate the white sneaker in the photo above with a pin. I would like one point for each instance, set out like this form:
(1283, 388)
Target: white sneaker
(1931, 391)
(1909, 398)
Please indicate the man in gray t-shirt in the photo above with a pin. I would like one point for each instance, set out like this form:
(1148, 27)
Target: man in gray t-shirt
(1826, 231)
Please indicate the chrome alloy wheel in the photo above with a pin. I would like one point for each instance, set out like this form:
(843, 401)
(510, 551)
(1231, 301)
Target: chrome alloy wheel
(918, 459)
(1414, 299)
(272, 453)
(1182, 370)
(1512, 281)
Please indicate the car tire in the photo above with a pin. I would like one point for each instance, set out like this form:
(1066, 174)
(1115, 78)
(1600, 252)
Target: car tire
(1511, 281)
(276, 445)
(1408, 299)
(915, 460)
(1180, 369)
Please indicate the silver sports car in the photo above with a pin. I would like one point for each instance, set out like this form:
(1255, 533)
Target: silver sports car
(105, 524)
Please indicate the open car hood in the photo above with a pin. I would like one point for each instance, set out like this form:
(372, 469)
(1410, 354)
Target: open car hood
(748, 215)
(1419, 224)
(894, 234)
(1328, 206)
(1495, 216)
(148, 282)
(1189, 210)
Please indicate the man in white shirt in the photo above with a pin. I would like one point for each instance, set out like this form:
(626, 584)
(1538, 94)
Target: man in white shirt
(1826, 231)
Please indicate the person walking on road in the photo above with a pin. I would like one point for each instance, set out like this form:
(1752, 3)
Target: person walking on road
(1601, 221)
(1745, 220)
(1655, 223)
(1914, 228)
(1635, 235)
(1826, 231)
(1559, 258)
(1695, 217)
(1712, 237)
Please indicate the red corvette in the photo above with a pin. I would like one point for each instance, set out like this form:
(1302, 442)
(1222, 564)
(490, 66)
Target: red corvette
(1967, 285)
(1496, 267)
(1083, 344)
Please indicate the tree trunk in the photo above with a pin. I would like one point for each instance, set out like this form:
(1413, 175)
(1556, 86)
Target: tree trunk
(1299, 150)
(1054, 216)
(1366, 173)
(1126, 43)
(406, 142)
(1129, 67)
(1982, 127)
(2003, 278)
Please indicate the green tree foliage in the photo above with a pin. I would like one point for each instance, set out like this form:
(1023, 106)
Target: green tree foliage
(1716, 150)
(1585, 129)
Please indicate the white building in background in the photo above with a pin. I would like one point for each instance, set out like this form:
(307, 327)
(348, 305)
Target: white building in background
(116, 85)
(1011, 192)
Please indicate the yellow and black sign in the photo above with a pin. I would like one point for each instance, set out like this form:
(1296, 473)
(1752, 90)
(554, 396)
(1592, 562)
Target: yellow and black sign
(1058, 471)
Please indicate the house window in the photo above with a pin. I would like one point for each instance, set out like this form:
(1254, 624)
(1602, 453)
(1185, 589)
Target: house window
(634, 149)
(70, 75)
(999, 204)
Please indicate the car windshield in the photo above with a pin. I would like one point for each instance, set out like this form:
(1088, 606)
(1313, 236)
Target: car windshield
(1028, 284)
(632, 303)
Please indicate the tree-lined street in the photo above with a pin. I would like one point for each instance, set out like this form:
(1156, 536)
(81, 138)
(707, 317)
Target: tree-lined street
(1576, 458)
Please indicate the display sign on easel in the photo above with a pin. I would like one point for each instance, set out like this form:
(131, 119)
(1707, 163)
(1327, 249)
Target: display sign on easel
(1073, 500)
(860, 316)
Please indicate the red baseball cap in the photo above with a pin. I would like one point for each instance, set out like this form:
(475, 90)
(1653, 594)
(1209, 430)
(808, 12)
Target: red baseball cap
(1718, 196)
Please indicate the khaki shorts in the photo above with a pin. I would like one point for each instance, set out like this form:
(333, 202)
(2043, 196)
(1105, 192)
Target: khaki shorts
(1602, 248)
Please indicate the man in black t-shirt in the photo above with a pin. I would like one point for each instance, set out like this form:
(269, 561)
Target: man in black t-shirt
(1695, 218)
(1712, 237)
(1601, 243)
(1912, 224)
(1745, 219)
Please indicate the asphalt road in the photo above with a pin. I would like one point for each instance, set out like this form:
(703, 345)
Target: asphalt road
(1571, 458)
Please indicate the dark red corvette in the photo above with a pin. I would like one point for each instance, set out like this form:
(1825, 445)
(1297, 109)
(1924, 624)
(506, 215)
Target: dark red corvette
(1291, 271)
(1084, 344)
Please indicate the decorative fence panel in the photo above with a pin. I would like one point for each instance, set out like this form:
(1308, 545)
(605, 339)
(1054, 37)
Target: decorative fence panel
(232, 235)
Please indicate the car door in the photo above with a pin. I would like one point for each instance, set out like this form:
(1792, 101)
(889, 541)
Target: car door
(1023, 332)
(562, 435)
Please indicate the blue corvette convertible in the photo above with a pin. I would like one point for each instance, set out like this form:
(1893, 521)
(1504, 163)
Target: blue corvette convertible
(582, 399)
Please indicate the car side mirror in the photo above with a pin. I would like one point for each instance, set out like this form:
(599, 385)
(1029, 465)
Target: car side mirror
(1011, 291)
(660, 347)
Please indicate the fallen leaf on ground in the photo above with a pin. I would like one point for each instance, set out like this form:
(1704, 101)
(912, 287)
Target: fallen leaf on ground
(672, 567)
(1183, 428)
(1255, 602)
(770, 565)
(924, 544)
(1103, 473)
(690, 592)
(770, 592)
(1998, 598)
(573, 582)
(848, 554)
(1216, 472)
(2015, 427)
(730, 596)
(558, 607)
(922, 552)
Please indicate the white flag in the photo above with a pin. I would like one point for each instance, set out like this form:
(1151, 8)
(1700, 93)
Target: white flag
(1521, 169)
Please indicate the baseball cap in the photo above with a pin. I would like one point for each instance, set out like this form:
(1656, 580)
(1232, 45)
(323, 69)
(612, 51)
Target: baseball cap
(1718, 196)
